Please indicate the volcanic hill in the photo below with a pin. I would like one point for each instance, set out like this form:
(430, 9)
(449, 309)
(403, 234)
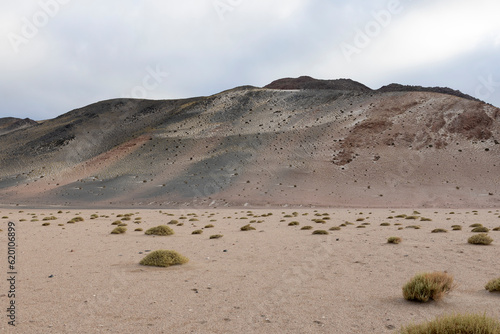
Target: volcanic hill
(294, 142)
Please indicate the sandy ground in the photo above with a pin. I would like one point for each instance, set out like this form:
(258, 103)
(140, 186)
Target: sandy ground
(78, 278)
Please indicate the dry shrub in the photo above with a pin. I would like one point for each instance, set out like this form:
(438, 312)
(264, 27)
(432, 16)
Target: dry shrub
(119, 230)
(247, 228)
(427, 286)
(493, 285)
(394, 240)
(457, 323)
(481, 229)
(163, 258)
(439, 230)
(480, 239)
(160, 230)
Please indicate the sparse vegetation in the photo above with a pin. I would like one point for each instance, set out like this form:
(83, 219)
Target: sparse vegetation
(138, 229)
(493, 285)
(320, 232)
(457, 323)
(427, 286)
(161, 230)
(173, 222)
(385, 224)
(116, 222)
(456, 227)
(197, 232)
(335, 228)
(293, 224)
(49, 218)
(216, 236)
(307, 227)
(209, 226)
(480, 239)
(163, 258)
(476, 225)
(394, 240)
(45, 224)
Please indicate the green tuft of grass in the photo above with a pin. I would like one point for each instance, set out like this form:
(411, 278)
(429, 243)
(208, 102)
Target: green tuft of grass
(411, 217)
(119, 230)
(247, 227)
(427, 286)
(293, 223)
(496, 228)
(216, 236)
(476, 225)
(45, 224)
(385, 224)
(480, 239)
(415, 227)
(197, 232)
(138, 229)
(116, 222)
(394, 240)
(163, 258)
(161, 230)
(49, 218)
(423, 219)
(322, 232)
(456, 227)
(173, 222)
(307, 227)
(457, 323)
(335, 228)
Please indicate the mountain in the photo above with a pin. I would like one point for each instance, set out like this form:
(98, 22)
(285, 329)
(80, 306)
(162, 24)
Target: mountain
(294, 142)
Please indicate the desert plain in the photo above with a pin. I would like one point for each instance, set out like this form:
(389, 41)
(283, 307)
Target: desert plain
(77, 277)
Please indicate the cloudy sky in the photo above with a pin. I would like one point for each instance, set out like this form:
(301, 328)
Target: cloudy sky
(58, 55)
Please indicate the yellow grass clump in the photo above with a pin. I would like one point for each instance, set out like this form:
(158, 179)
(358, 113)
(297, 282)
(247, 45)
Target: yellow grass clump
(480, 239)
(458, 323)
(427, 286)
(161, 230)
(394, 240)
(493, 285)
(119, 230)
(163, 258)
